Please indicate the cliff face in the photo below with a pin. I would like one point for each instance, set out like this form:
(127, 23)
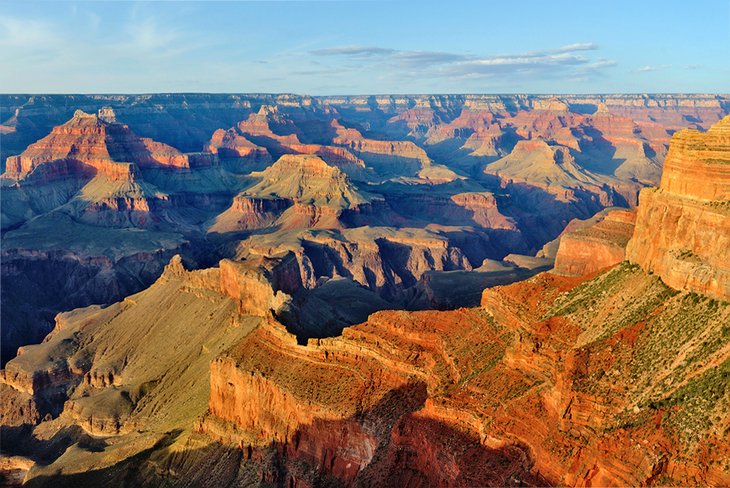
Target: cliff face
(571, 390)
(94, 377)
(96, 142)
(228, 143)
(683, 227)
(598, 246)
(358, 423)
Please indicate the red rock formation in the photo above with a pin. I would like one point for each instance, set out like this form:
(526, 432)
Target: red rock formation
(248, 212)
(259, 286)
(229, 144)
(683, 227)
(596, 247)
(97, 143)
(503, 385)
(261, 126)
(484, 208)
(550, 167)
(698, 164)
(391, 158)
(353, 139)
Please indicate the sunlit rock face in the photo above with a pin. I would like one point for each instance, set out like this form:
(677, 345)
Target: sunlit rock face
(683, 227)
(595, 247)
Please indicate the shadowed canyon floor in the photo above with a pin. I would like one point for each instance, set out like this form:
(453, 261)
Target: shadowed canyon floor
(240, 365)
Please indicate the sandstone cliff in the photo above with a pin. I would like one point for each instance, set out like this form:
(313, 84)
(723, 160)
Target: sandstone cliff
(482, 379)
(96, 142)
(683, 227)
(597, 246)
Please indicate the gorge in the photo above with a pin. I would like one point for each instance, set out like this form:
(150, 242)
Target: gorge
(281, 290)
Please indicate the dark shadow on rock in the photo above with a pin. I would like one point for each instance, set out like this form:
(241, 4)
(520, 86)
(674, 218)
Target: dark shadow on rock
(390, 444)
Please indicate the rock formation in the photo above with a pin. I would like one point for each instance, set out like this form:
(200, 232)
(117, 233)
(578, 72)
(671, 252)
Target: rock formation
(97, 143)
(79, 165)
(227, 144)
(595, 247)
(683, 227)
(607, 378)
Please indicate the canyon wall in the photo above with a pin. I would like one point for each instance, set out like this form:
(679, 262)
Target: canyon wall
(683, 227)
(596, 246)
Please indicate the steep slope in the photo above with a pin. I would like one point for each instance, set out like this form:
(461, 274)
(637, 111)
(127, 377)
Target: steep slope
(109, 372)
(683, 227)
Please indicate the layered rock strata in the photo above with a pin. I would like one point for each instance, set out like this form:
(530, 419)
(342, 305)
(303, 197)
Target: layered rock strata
(683, 227)
(597, 246)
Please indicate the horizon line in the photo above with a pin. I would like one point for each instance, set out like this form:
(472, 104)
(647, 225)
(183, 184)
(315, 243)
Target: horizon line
(434, 94)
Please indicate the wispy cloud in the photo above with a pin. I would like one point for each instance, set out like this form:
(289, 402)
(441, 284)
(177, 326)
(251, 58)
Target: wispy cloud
(25, 33)
(140, 43)
(569, 60)
(356, 51)
(650, 68)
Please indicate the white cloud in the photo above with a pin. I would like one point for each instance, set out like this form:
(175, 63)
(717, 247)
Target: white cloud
(649, 68)
(566, 59)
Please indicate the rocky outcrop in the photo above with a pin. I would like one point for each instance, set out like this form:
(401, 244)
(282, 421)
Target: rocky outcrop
(37, 284)
(248, 212)
(94, 372)
(296, 192)
(387, 261)
(229, 144)
(308, 179)
(550, 167)
(597, 246)
(391, 158)
(260, 286)
(485, 210)
(341, 422)
(477, 381)
(97, 143)
(278, 134)
(683, 227)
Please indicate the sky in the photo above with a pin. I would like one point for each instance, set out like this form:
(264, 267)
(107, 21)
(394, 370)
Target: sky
(366, 47)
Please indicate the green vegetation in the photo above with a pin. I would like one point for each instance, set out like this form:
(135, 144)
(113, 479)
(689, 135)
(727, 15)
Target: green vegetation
(642, 340)
(695, 406)
(687, 332)
(587, 294)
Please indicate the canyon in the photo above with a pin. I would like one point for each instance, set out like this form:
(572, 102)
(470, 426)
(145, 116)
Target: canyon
(348, 291)
(118, 184)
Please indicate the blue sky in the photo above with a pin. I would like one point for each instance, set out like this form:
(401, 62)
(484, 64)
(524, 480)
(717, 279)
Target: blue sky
(365, 47)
